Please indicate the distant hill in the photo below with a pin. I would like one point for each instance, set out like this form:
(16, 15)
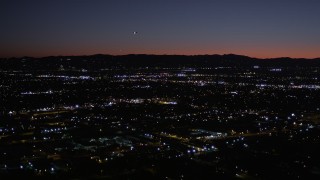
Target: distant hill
(99, 61)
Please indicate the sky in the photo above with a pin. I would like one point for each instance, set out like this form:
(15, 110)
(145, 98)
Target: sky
(256, 28)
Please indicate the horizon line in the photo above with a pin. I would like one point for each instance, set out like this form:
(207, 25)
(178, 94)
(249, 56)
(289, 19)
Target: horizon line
(40, 57)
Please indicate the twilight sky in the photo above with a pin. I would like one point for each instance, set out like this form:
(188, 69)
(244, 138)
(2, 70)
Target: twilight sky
(257, 28)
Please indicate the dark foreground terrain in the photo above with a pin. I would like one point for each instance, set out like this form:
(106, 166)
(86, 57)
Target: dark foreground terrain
(177, 117)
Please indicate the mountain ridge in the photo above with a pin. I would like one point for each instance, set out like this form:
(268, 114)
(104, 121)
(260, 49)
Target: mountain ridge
(99, 61)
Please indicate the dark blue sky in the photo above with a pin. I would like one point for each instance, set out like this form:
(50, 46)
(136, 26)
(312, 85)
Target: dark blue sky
(259, 28)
